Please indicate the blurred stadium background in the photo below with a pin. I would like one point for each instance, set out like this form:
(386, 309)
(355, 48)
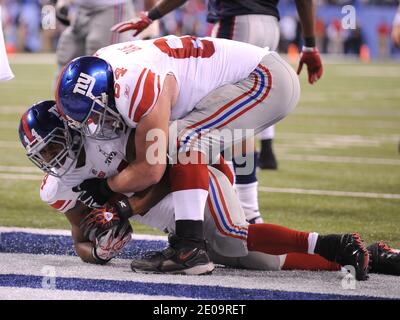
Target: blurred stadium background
(339, 163)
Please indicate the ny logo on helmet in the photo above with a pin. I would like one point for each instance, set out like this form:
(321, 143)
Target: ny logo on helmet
(84, 85)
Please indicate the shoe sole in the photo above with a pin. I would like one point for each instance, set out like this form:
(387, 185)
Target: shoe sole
(205, 269)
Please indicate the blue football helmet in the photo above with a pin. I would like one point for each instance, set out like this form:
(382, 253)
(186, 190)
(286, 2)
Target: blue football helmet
(49, 143)
(85, 97)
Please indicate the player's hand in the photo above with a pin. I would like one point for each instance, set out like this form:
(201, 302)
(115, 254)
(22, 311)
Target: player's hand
(97, 221)
(112, 241)
(138, 24)
(107, 232)
(311, 57)
(94, 192)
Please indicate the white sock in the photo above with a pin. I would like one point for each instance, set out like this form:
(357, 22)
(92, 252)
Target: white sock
(312, 242)
(190, 204)
(248, 197)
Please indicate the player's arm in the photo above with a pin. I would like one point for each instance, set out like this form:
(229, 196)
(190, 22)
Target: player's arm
(144, 200)
(146, 18)
(146, 170)
(310, 55)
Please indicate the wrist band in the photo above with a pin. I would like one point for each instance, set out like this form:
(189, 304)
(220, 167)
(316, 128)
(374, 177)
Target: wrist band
(309, 41)
(154, 14)
(309, 49)
(124, 209)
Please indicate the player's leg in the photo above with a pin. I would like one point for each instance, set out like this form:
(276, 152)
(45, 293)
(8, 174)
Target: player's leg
(189, 187)
(246, 28)
(99, 34)
(267, 159)
(186, 253)
(71, 43)
(30, 18)
(246, 183)
(234, 112)
(228, 235)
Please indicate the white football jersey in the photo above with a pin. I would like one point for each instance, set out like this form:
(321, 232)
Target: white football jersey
(103, 159)
(200, 65)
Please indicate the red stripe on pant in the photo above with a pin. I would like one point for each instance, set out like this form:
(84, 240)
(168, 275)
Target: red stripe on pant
(276, 240)
(189, 176)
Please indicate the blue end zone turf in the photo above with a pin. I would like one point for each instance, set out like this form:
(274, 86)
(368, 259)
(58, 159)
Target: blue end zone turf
(21, 242)
(28, 243)
(168, 289)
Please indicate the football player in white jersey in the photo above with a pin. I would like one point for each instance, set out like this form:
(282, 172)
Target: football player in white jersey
(207, 85)
(58, 151)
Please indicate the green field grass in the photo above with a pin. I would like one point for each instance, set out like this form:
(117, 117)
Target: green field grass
(343, 136)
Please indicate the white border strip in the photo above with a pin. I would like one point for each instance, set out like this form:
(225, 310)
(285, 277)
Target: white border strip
(331, 159)
(59, 232)
(331, 193)
(15, 176)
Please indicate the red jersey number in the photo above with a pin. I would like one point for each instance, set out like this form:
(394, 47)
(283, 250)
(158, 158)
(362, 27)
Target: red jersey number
(188, 49)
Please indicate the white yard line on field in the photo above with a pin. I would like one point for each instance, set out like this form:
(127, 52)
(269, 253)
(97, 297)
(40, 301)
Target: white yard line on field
(334, 193)
(10, 144)
(331, 193)
(62, 232)
(13, 109)
(335, 159)
(15, 176)
(20, 169)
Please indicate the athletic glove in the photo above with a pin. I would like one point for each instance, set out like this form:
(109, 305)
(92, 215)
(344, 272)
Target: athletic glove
(310, 56)
(94, 192)
(97, 221)
(138, 24)
(111, 242)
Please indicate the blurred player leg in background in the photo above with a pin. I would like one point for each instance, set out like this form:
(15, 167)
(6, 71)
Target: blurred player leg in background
(89, 30)
(396, 28)
(5, 70)
(30, 20)
(246, 28)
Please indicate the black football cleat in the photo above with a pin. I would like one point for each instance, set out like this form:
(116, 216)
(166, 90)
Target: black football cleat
(346, 249)
(352, 252)
(176, 259)
(384, 259)
(266, 158)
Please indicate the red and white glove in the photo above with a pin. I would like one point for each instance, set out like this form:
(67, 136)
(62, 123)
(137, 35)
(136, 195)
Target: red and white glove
(97, 221)
(111, 242)
(310, 56)
(138, 24)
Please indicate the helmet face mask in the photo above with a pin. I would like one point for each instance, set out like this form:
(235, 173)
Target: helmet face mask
(49, 143)
(102, 122)
(54, 154)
